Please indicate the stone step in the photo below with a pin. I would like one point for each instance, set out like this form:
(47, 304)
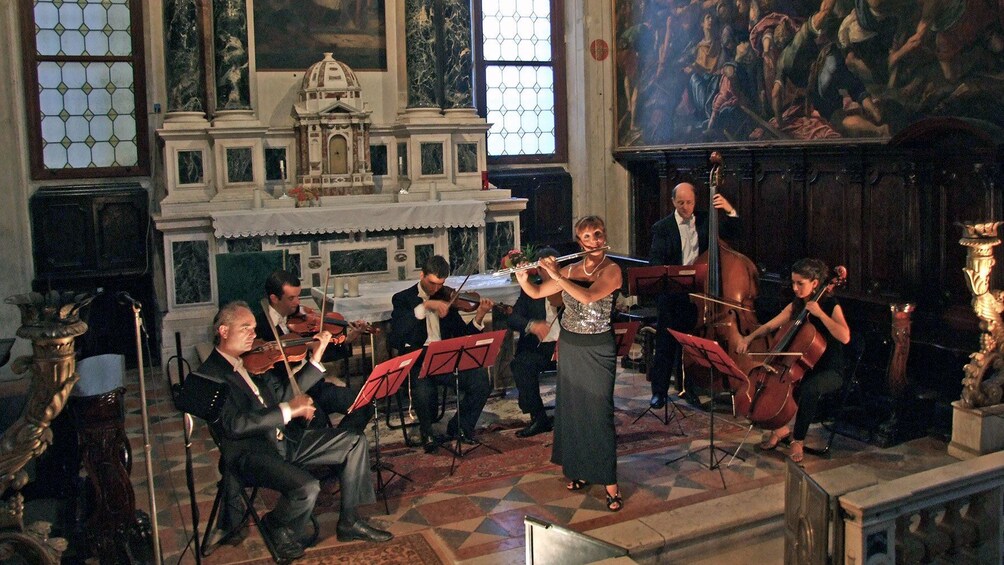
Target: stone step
(711, 529)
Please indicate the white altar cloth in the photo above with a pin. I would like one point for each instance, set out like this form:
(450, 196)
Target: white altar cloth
(350, 218)
(374, 301)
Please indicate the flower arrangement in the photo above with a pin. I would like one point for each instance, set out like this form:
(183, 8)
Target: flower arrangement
(305, 195)
(512, 258)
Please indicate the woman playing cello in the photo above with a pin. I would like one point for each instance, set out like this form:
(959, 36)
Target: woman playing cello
(827, 375)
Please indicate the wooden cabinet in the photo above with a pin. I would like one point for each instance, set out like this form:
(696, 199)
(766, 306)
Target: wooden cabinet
(89, 231)
(547, 219)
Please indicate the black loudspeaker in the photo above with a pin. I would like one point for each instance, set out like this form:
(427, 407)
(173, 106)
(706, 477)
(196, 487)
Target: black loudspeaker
(201, 396)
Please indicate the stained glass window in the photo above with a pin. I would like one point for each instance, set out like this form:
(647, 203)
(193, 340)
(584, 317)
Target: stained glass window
(87, 88)
(520, 76)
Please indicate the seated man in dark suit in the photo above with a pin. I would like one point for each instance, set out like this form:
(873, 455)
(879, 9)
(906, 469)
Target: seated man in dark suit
(282, 290)
(537, 320)
(265, 441)
(421, 317)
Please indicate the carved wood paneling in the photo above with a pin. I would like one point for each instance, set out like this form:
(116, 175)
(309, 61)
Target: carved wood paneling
(888, 212)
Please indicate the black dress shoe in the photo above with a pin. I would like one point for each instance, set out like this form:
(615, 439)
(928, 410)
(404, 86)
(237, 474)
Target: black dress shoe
(536, 427)
(692, 398)
(658, 401)
(285, 546)
(430, 445)
(361, 531)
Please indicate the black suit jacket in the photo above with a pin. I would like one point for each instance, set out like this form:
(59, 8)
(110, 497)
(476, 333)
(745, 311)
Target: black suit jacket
(245, 425)
(667, 247)
(408, 333)
(523, 311)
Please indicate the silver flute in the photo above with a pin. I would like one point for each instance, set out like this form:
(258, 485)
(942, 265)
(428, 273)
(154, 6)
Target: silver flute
(535, 264)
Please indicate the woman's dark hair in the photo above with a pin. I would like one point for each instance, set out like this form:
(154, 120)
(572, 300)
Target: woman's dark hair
(812, 269)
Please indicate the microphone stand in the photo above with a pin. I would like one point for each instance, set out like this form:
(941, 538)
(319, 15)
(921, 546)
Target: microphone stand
(146, 433)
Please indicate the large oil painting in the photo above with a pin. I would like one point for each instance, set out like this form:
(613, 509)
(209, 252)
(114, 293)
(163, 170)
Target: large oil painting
(294, 34)
(797, 71)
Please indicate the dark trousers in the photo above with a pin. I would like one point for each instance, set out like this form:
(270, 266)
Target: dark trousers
(474, 391)
(813, 386)
(678, 313)
(297, 487)
(334, 399)
(526, 367)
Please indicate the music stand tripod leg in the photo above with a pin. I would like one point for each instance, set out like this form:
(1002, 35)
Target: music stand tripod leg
(378, 465)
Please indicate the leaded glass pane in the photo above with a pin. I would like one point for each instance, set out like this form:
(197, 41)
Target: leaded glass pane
(46, 15)
(84, 101)
(520, 104)
(71, 43)
(512, 32)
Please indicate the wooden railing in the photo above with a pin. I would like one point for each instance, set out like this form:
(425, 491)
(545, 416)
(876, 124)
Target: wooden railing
(952, 514)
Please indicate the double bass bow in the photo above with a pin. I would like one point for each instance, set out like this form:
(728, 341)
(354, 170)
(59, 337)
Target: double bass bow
(768, 401)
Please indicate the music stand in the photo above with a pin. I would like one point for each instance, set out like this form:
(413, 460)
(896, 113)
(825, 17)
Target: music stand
(666, 279)
(465, 353)
(384, 380)
(708, 353)
(624, 334)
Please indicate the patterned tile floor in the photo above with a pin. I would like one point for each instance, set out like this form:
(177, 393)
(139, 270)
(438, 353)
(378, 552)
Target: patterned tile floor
(483, 514)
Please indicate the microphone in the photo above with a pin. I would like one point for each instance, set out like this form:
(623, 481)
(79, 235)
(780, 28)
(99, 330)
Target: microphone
(124, 298)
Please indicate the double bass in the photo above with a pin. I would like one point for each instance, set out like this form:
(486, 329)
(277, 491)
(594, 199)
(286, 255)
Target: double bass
(768, 400)
(725, 311)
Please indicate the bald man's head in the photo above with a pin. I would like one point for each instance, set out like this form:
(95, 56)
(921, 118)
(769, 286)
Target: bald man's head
(684, 199)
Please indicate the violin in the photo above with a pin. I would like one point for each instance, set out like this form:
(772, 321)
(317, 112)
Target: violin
(466, 301)
(264, 354)
(308, 321)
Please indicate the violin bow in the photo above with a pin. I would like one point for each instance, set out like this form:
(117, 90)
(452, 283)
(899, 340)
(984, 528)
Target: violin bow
(324, 298)
(282, 351)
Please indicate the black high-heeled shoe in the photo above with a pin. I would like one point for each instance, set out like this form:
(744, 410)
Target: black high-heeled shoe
(615, 502)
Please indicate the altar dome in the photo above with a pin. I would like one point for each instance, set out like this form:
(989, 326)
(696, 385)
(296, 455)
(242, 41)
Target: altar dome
(326, 81)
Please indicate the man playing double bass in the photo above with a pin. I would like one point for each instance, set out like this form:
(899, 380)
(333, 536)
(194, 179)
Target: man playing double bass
(678, 239)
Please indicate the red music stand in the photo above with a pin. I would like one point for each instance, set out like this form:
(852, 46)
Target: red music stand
(708, 353)
(465, 353)
(385, 379)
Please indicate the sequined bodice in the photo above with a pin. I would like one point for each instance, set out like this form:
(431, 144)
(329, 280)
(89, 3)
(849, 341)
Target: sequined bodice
(587, 318)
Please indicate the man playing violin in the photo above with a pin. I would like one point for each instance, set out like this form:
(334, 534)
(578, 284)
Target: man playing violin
(423, 314)
(679, 239)
(537, 320)
(282, 289)
(265, 441)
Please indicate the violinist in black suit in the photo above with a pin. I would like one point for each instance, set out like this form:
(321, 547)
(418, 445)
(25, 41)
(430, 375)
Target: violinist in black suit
(537, 320)
(678, 239)
(282, 291)
(422, 314)
(265, 441)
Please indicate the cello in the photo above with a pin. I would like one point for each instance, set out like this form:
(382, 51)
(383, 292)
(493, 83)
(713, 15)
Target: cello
(725, 310)
(768, 400)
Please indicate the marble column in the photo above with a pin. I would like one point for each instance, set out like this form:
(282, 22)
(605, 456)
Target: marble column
(420, 53)
(230, 39)
(458, 63)
(183, 54)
